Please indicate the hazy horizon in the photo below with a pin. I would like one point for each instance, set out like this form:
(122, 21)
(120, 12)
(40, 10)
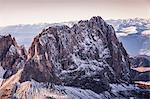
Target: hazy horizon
(64, 22)
(15, 12)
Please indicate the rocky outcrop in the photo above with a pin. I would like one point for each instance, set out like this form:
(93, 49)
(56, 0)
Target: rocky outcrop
(140, 68)
(86, 55)
(140, 76)
(8, 87)
(140, 61)
(11, 57)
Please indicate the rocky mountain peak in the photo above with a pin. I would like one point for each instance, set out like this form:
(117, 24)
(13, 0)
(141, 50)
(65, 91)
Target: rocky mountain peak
(86, 54)
(86, 59)
(11, 60)
(5, 42)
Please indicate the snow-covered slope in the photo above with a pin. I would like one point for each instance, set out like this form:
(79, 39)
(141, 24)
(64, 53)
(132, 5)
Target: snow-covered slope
(42, 91)
(146, 32)
(13, 89)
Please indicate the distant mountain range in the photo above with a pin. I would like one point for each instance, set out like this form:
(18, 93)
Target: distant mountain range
(133, 33)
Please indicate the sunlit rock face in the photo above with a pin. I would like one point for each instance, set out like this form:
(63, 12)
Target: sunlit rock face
(86, 55)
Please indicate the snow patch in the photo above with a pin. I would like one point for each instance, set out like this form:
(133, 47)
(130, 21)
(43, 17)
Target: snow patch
(44, 90)
(129, 30)
(43, 40)
(120, 34)
(122, 87)
(146, 32)
(144, 52)
(12, 50)
(2, 72)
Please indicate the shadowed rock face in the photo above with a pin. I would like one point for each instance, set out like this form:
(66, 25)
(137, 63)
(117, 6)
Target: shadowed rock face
(140, 76)
(140, 61)
(5, 43)
(11, 57)
(86, 55)
(140, 68)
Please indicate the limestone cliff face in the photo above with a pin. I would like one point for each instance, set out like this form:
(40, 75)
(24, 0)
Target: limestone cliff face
(86, 55)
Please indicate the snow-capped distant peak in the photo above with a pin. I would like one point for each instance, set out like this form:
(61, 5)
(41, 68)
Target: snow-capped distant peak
(129, 30)
(146, 32)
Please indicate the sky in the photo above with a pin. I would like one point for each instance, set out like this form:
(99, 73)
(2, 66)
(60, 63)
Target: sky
(14, 12)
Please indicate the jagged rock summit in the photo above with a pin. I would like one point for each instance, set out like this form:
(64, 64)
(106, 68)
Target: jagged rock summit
(12, 56)
(87, 55)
